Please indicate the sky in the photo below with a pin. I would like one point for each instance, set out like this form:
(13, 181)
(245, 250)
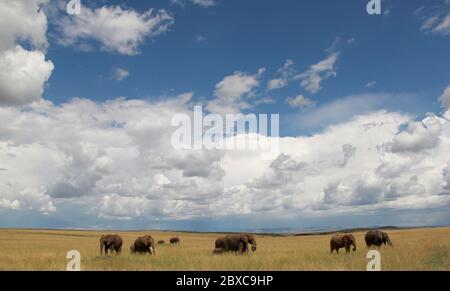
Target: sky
(87, 102)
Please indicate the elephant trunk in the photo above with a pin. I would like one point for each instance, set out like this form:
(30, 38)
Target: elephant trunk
(253, 245)
(353, 243)
(101, 247)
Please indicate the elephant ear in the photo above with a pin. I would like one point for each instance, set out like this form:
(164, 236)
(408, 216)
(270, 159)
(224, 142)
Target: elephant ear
(244, 238)
(346, 239)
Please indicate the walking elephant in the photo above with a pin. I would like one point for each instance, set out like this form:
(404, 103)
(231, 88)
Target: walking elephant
(235, 243)
(377, 238)
(175, 240)
(339, 241)
(112, 242)
(144, 244)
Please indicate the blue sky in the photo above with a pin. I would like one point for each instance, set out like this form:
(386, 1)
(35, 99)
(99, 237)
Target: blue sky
(389, 50)
(87, 101)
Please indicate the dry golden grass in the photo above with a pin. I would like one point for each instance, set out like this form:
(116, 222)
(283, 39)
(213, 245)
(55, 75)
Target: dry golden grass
(417, 249)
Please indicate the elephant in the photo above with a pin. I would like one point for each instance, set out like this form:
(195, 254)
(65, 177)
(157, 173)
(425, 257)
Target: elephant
(144, 244)
(111, 242)
(338, 241)
(175, 240)
(235, 243)
(387, 239)
(377, 238)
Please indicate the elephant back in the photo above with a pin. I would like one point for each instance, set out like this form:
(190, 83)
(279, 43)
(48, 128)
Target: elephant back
(337, 241)
(374, 237)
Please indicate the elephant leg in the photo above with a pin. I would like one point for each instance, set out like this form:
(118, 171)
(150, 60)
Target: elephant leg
(245, 248)
(241, 247)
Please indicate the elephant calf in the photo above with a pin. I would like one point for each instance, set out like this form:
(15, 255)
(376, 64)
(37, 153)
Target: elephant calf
(112, 242)
(339, 241)
(144, 244)
(235, 243)
(377, 238)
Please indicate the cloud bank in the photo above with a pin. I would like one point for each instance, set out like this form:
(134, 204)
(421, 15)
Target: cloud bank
(114, 160)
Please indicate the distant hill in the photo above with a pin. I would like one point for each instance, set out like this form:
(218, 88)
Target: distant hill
(287, 232)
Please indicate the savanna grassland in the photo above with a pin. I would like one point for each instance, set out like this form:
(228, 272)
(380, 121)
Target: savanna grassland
(414, 249)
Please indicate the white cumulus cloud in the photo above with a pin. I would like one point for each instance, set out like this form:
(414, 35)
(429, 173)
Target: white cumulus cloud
(233, 91)
(23, 73)
(299, 101)
(22, 20)
(115, 29)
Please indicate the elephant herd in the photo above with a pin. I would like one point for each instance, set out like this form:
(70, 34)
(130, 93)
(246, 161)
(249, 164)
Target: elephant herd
(143, 244)
(372, 238)
(146, 244)
(238, 243)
